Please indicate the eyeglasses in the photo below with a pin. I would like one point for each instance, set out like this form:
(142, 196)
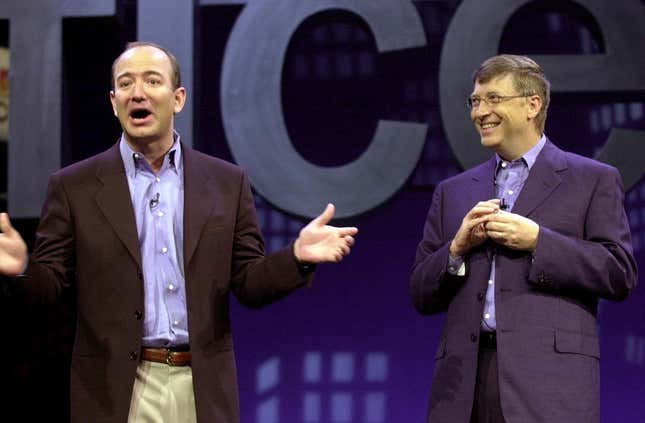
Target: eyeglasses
(490, 99)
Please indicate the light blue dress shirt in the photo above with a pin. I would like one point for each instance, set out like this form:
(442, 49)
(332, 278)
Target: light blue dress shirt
(510, 178)
(158, 203)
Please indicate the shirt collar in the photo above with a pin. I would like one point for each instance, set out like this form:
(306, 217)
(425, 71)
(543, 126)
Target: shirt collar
(529, 157)
(172, 159)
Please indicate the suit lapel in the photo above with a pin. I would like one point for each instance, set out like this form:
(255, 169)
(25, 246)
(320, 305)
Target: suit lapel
(114, 201)
(543, 179)
(199, 199)
(482, 189)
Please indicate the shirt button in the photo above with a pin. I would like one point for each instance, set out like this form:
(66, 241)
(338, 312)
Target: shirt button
(133, 355)
(504, 164)
(158, 179)
(473, 337)
(490, 281)
(160, 214)
(171, 287)
(487, 316)
(510, 192)
(164, 250)
(176, 323)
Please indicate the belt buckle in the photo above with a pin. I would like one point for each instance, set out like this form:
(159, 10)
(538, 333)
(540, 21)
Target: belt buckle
(169, 358)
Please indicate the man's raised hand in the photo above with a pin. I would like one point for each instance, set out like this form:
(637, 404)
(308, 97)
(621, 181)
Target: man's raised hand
(318, 242)
(13, 250)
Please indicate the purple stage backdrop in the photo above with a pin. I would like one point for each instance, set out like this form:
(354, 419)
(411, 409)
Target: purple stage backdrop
(351, 348)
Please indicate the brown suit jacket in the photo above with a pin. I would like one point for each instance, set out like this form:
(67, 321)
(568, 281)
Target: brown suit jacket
(87, 239)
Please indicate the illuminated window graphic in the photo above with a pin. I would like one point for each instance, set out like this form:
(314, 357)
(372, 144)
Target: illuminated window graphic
(338, 387)
(635, 349)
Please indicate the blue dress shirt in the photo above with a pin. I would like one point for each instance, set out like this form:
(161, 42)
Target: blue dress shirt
(158, 203)
(509, 179)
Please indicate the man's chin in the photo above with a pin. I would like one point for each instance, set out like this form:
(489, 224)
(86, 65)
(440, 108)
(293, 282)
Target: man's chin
(488, 142)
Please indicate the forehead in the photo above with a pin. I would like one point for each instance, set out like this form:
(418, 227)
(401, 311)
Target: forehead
(502, 84)
(143, 59)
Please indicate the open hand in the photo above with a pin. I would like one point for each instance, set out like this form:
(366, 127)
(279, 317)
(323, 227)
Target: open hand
(13, 250)
(319, 242)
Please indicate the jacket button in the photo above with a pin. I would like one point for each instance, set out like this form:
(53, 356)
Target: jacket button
(140, 275)
(133, 355)
(473, 337)
(138, 314)
(480, 296)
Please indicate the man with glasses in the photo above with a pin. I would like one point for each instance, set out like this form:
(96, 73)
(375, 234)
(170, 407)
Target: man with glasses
(154, 237)
(518, 251)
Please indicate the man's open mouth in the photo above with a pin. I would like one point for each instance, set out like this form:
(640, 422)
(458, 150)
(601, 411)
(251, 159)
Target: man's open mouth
(140, 114)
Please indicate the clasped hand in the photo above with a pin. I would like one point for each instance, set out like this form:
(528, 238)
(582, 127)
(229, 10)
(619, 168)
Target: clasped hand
(487, 221)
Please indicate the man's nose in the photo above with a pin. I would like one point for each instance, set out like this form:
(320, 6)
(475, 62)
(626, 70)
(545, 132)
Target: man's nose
(138, 91)
(482, 110)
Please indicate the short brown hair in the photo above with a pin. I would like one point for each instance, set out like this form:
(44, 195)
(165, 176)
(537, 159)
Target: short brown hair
(528, 79)
(176, 72)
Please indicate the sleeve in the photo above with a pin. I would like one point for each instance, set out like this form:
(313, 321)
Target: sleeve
(602, 263)
(432, 286)
(51, 266)
(258, 280)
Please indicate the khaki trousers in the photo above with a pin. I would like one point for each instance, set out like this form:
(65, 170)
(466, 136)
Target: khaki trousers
(162, 394)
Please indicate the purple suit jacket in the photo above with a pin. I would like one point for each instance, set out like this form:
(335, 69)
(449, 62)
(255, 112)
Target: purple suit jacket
(87, 238)
(546, 303)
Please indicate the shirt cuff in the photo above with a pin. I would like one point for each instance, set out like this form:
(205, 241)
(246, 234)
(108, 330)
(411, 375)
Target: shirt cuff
(304, 268)
(456, 265)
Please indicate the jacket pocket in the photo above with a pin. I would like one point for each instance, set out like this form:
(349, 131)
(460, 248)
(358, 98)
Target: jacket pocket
(576, 343)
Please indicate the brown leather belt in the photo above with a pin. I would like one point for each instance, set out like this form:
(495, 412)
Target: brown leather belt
(167, 356)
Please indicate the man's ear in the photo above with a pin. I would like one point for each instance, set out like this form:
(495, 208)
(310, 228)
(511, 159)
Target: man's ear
(180, 99)
(534, 106)
(113, 101)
